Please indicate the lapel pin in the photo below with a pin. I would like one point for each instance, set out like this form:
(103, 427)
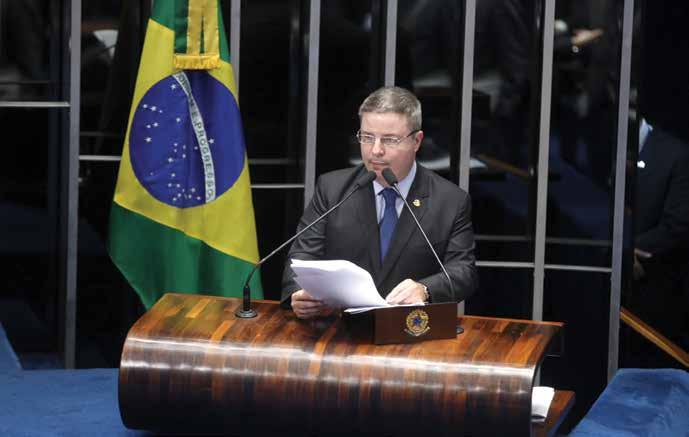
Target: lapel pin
(416, 203)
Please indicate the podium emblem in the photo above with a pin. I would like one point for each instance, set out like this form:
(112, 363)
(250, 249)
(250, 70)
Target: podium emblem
(417, 323)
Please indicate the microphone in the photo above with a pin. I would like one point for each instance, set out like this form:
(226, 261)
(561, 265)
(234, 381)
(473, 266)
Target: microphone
(246, 312)
(391, 179)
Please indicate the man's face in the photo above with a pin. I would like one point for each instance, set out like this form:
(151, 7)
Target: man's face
(377, 156)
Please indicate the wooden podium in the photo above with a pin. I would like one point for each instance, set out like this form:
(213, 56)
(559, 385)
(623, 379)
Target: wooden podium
(189, 366)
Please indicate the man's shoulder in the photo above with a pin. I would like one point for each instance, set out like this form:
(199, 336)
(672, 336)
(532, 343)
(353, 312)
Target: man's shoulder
(333, 184)
(439, 185)
(341, 177)
(664, 150)
(666, 144)
(341, 174)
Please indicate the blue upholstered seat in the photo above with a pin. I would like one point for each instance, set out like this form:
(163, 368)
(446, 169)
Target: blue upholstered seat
(640, 402)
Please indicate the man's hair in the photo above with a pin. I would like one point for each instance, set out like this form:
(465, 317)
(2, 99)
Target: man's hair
(396, 100)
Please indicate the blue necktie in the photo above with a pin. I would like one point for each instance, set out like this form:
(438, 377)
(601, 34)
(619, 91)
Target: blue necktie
(387, 225)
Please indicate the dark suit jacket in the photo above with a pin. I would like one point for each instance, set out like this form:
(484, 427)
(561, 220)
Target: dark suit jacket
(662, 196)
(662, 228)
(351, 233)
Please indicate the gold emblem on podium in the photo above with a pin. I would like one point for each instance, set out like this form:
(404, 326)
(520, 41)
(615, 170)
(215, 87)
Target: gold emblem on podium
(417, 323)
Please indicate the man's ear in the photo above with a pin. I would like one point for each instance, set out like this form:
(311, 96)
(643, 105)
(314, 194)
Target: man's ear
(418, 137)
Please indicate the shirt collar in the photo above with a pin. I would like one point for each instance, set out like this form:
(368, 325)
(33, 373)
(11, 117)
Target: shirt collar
(644, 130)
(404, 185)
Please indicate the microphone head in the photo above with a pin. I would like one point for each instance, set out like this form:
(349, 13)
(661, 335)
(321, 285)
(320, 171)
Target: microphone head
(366, 178)
(389, 176)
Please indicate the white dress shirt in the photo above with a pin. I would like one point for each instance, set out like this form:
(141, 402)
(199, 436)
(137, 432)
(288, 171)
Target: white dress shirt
(404, 185)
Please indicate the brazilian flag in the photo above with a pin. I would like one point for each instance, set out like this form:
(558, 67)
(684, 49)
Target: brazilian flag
(182, 218)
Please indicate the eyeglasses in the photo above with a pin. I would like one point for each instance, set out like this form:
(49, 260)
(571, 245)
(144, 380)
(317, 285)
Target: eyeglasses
(387, 141)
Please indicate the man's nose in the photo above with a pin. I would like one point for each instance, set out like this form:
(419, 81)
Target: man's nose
(378, 148)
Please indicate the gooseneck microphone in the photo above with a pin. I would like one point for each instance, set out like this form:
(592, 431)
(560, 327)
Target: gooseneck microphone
(391, 179)
(246, 312)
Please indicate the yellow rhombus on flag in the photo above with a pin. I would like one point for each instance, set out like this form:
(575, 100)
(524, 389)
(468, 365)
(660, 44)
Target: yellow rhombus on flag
(182, 218)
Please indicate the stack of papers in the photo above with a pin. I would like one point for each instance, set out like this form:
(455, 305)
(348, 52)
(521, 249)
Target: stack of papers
(541, 397)
(339, 284)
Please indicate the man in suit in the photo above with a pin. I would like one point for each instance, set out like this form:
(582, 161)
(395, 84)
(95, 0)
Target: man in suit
(373, 230)
(661, 253)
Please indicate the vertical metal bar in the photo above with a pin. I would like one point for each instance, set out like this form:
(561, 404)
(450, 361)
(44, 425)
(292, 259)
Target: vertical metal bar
(466, 101)
(2, 41)
(312, 99)
(235, 34)
(467, 93)
(70, 203)
(390, 41)
(376, 41)
(295, 95)
(57, 68)
(548, 24)
(620, 179)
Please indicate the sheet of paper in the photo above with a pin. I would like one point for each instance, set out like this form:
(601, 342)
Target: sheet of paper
(338, 283)
(541, 398)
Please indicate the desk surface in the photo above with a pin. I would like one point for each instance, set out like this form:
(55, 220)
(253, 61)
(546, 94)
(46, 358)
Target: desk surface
(190, 350)
(559, 408)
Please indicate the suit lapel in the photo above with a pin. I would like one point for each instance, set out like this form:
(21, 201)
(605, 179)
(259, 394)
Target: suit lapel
(405, 226)
(365, 206)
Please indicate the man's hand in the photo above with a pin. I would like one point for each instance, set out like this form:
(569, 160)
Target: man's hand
(583, 37)
(306, 306)
(407, 292)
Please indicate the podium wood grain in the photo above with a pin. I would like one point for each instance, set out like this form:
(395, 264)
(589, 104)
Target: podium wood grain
(189, 366)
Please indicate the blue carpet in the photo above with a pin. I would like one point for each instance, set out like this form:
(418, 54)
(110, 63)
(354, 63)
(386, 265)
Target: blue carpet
(640, 402)
(61, 403)
(8, 359)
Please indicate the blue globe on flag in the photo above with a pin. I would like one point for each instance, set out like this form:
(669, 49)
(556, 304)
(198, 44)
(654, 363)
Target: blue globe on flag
(186, 142)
